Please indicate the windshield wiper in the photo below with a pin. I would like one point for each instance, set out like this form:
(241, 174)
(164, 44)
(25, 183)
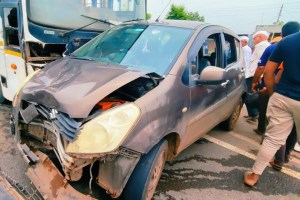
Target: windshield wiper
(135, 20)
(99, 20)
(80, 58)
(96, 20)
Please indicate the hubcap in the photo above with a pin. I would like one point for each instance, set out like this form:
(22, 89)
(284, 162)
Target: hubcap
(156, 175)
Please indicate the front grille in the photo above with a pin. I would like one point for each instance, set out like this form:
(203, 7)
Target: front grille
(66, 126)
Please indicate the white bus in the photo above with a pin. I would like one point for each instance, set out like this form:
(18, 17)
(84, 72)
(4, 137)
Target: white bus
(36, 32)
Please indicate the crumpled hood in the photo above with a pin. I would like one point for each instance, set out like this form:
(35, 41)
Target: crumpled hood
(75, 86)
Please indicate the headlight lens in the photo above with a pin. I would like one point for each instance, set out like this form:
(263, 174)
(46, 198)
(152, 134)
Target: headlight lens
(107, 131)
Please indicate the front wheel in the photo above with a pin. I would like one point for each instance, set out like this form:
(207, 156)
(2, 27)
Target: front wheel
(230, 122)
(144, 179)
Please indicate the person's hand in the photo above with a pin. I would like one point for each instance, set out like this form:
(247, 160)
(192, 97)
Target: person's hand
(264, 90)
(254, 87)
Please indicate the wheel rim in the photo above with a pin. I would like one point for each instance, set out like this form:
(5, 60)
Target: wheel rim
(155, 176)
(236, 114)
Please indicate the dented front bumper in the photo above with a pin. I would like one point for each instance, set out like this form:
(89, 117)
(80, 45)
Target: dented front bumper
(36, 139)
(50, 182)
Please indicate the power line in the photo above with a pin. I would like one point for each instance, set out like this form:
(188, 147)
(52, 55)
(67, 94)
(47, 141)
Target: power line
(296, 18)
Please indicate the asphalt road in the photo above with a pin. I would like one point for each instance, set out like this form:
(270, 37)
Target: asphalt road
(212, 168)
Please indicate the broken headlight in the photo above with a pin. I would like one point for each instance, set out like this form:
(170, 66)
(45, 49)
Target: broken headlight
(105, 132)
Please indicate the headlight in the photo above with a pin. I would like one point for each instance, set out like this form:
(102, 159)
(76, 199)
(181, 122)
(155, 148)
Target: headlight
(107, 131)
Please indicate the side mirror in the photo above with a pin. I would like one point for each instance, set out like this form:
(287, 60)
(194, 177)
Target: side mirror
(211, 75)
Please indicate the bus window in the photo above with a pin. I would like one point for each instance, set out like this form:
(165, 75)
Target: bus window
(11, 26)
(82, 12)
(116, 5)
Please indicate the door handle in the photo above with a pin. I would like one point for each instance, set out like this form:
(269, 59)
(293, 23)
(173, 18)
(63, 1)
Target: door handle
(224, 83)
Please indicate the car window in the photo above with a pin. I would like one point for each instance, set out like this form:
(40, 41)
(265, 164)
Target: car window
(208, 54)
(237, 48)
(230, 49)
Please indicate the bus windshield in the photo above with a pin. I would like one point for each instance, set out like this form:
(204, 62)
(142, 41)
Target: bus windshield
(72, 14)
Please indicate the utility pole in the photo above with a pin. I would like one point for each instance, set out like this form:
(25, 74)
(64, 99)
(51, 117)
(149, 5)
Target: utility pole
(277, 22)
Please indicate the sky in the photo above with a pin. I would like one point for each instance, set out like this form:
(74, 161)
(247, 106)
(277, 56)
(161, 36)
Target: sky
(239, 15)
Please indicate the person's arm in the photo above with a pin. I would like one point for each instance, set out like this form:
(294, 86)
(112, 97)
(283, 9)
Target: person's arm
(256, 78)
(260, 68)
(278, 76)
(269, 76)
(279, 73)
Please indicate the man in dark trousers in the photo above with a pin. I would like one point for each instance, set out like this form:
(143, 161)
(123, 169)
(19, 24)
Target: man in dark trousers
(288, 29)
(284, 104)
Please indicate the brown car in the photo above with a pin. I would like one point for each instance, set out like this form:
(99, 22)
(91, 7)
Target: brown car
(124, 103)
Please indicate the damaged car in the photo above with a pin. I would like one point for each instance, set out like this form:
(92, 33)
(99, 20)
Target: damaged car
(114, 111)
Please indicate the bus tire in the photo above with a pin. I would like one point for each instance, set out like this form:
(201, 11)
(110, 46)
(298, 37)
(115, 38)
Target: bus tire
(2, 99)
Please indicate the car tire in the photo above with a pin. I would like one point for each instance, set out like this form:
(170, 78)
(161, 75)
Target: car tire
(2, 99)
(230, 122)
(145, 177)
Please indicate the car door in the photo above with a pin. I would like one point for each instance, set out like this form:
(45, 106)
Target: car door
(233, 63)
(205, 100)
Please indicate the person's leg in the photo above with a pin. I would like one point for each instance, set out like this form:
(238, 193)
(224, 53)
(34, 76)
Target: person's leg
(296, 115)
(252, 111)
(262, 118)
(280, 125)
(290, 143)
(280, 155)
(249, 84)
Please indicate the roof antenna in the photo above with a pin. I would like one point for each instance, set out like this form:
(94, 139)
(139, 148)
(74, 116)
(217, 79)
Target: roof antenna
(163, 11)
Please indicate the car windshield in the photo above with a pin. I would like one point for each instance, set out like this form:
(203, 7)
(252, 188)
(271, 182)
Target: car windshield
(72, 14)
(149, 48)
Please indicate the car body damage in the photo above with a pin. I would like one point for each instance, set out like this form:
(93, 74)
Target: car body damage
(112, 113)
(58, 84)
(53, 118)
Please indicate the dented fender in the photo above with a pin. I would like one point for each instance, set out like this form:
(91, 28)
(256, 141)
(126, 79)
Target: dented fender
(113, 175)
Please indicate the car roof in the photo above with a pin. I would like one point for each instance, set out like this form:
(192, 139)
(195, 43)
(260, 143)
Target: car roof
(182, 24)
(174, 23)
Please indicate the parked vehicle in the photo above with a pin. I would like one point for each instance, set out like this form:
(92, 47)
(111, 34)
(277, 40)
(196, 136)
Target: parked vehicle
(127, 101)
(34, 32)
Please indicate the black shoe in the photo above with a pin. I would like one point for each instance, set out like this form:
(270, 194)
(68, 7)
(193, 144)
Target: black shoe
(276, 166)
(258, 132)
(252, 119)
(287, 158)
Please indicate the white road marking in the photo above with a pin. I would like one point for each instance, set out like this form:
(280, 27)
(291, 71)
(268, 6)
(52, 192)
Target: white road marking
(254, 143)
(244, 138)
(285, 170)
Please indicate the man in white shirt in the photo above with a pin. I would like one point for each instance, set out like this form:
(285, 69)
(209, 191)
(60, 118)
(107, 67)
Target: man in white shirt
(247, 54)
(260, 39)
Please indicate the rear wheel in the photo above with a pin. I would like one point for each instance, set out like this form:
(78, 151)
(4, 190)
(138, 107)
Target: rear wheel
(231, 121)
(144, 179)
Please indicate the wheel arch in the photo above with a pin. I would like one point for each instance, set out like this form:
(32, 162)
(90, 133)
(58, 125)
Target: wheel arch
(173, 144)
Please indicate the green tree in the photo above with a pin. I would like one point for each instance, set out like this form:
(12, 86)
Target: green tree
(179, 12)
(148, 16)
(195, 16)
